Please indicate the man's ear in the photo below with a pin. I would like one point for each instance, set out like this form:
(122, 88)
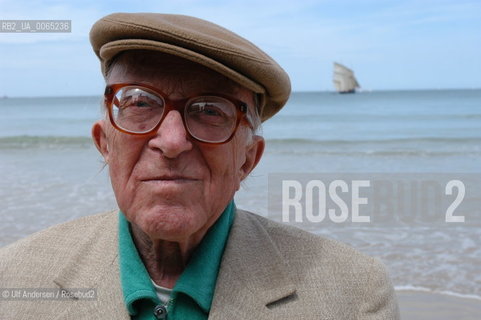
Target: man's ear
(100, 139)
(253, 155)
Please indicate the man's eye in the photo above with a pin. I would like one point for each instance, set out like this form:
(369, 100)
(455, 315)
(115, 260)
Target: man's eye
(206, 109)
(137, 103)
(210, 111)
(141, 104)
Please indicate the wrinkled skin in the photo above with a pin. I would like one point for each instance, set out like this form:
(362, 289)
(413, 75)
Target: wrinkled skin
(171, 187)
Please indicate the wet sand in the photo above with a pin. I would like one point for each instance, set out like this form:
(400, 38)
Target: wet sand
(432, 306)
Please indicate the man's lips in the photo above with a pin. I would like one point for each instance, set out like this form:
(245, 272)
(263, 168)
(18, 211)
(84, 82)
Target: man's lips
(167, 178)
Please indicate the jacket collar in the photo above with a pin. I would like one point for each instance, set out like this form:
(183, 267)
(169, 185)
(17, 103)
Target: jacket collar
(253, 275)
(94, 265)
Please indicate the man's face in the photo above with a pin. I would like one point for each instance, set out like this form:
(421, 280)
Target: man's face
(167, 184)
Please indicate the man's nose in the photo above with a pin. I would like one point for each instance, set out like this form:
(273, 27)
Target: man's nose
(172, 137)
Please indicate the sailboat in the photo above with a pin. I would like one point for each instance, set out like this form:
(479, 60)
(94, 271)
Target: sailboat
(344, 79)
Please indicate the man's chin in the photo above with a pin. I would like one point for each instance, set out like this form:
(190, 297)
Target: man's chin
(167, 223)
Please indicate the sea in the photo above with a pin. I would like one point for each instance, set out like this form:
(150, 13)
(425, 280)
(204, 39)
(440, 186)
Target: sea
(51, 172)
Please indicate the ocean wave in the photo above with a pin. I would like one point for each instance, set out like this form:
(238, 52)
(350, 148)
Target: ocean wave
(443, 292)
(380, 153)
(442, 140)
(328, 116)
(404, 147)
(435, 146)
(44, 142)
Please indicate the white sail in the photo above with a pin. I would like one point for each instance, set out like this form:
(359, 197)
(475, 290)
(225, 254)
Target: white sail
(344, 80)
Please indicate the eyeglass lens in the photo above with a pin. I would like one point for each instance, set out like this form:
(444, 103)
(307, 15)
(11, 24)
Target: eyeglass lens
(207, 118)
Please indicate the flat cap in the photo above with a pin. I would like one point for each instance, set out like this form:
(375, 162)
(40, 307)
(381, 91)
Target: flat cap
(199, 41)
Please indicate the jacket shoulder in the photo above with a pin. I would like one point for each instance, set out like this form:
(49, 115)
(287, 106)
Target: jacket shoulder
(36, 256)
(298, 242)
(327, 268)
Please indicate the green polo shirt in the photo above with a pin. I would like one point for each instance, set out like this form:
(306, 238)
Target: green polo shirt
(193, 292)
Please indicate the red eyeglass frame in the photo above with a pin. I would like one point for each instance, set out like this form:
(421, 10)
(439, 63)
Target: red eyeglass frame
(112, 89)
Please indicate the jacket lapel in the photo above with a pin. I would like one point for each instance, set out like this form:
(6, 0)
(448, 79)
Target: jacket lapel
(253, 275)
(95, 266)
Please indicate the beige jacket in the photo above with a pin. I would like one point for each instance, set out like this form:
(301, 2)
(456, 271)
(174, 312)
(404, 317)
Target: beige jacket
(268, 271)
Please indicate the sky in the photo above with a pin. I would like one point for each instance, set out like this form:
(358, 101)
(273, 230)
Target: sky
(390, 44)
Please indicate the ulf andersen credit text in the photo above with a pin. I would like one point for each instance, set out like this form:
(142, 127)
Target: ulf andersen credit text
(47, 294)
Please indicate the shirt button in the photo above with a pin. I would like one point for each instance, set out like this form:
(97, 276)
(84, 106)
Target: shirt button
(160, 312)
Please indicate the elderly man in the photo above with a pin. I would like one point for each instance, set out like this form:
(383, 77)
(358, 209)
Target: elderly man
(183, 100)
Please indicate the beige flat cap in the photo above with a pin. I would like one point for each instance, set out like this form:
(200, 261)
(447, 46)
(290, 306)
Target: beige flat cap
(199, 41)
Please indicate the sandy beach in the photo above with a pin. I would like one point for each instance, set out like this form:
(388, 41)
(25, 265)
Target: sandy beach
(432, 306)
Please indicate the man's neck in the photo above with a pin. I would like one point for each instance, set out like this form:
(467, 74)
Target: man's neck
(164, 260)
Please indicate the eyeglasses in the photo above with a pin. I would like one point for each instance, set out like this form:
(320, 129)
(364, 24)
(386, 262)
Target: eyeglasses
(140, 109)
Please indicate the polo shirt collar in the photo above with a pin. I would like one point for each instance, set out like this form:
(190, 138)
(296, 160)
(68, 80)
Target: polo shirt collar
(197, 281)
(135, 279)
(200, 276)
